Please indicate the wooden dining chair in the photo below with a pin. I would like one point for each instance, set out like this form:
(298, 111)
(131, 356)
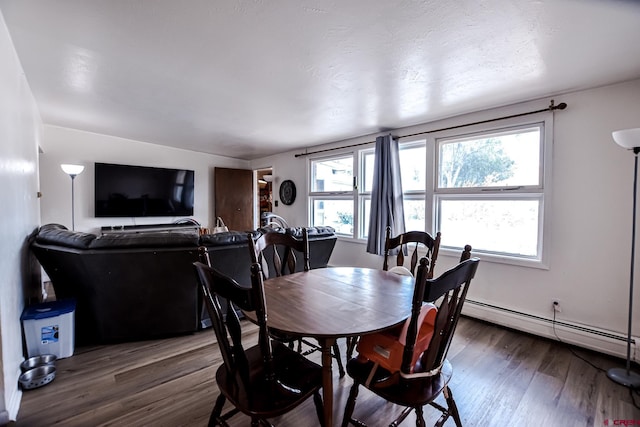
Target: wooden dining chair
(414, 242)
(417, 384)
(411, 241)
(265, 380)
(278, 253)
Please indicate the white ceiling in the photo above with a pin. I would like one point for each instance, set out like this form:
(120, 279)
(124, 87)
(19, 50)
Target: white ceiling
(248, 79)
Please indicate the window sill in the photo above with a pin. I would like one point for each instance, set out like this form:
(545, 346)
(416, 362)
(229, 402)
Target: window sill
(498, 259)
(484, 256)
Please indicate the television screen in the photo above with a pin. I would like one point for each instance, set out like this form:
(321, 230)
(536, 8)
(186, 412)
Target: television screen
(135, 191)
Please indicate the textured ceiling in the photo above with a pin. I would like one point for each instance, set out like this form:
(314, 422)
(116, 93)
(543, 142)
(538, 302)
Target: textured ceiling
(251, 78)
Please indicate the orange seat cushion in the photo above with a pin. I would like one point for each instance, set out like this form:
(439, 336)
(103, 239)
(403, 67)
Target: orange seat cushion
(386, 348)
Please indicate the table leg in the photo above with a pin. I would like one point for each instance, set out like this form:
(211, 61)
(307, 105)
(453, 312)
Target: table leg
(327, 380)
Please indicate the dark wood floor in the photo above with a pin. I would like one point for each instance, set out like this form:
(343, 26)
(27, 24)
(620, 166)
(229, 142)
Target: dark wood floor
(501, 378)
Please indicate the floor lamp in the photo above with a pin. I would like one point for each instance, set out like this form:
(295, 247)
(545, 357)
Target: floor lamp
(72, 171)
(629, 139)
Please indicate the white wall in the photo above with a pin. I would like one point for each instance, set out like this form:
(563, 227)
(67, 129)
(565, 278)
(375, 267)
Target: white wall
(63, 145)
(590, 217)
(19, 134)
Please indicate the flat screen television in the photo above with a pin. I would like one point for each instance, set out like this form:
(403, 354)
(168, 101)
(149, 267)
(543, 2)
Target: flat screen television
(137, 191)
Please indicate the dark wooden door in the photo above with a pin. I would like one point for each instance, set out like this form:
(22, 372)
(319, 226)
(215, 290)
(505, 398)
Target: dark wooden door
(233, 195)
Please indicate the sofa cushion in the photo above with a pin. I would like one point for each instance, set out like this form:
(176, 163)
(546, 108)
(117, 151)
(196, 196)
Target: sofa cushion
(56, 234)
(312, 232)
(227, 238)
(146, 240)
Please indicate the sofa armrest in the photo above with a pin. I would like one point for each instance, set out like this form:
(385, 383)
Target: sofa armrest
(56, 234)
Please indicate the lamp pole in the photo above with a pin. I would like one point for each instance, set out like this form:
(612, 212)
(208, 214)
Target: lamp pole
(72, 171)
(73, 209)
(629, 139)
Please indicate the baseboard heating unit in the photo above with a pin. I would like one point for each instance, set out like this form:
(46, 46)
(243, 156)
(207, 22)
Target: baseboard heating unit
(600, 340)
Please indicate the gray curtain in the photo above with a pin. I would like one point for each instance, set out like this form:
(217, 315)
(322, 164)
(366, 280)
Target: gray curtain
(386, 195)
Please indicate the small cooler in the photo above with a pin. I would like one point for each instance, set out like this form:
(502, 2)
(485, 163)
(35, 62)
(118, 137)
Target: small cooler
(49, 328)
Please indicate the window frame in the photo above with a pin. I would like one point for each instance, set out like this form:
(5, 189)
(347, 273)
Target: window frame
(540, 191)
(332, 195)
(364, 195)
(359, 193)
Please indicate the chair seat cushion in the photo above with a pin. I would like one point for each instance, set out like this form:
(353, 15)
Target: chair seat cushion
(400, 270)
(298, 378)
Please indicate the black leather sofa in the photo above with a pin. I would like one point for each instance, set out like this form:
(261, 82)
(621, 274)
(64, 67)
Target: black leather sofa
(133, 286)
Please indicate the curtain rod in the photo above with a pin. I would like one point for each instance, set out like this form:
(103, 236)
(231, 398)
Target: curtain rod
(551, 107)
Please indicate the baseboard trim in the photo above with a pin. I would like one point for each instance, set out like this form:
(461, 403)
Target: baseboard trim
(589, 337)
(13, 404)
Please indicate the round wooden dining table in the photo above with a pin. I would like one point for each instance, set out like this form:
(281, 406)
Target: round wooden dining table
(335, 302)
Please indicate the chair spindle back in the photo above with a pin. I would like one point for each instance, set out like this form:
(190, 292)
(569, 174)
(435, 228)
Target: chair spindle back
(451, 287)
(215, 285)
(275, 252)
(420, 239)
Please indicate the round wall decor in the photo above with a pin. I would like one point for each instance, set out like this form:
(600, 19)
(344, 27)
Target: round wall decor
(287, 192)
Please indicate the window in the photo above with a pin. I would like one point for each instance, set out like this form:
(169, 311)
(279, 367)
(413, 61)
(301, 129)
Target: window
(331, 194)
(489, 191)
(337, 200)
(486, 186)
(413, 175)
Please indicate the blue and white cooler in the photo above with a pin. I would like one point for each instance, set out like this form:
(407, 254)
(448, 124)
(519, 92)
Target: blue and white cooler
(49, 328)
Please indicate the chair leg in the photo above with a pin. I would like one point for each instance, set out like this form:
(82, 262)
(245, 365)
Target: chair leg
(336, 355)
(351, 404)
(404, 414)
(453, 408)
(351, 346)
(419, 417)
(217, 410)
(317, 400)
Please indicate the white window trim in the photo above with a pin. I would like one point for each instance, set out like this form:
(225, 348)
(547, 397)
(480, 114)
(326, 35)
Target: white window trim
(493, 256)
(334, 195)
(544, 187)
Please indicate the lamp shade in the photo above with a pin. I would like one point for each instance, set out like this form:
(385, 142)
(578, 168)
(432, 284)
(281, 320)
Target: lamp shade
(72, 170)
(267, 178)
(627, 138)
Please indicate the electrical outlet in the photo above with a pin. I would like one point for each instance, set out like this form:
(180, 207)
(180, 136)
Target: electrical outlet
(556, 306)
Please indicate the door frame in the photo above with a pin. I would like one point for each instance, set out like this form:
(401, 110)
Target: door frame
(258, 175)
